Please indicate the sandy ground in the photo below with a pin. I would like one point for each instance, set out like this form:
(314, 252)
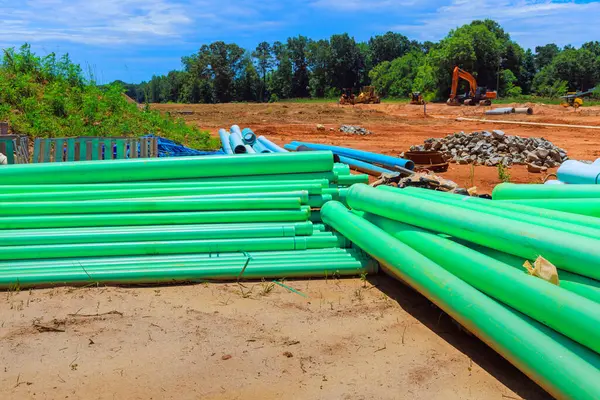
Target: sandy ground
(347, 339)
(398, 126)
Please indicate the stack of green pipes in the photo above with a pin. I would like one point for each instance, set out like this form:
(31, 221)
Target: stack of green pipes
(466, 255)
(173, 220)
(575, 199)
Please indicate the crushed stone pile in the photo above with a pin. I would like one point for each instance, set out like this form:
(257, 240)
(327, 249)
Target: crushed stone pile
(355, 130)
(495, 147)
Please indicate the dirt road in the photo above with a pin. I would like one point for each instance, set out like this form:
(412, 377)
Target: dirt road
(398, 126)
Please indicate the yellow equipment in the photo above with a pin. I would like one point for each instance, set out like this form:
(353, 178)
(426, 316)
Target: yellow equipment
(347, 97)
(477, 94)
(367, 95)
(575, 99)
(416, 98)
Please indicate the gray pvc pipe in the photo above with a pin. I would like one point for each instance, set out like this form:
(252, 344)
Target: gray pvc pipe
(523, 110)
(500, 111)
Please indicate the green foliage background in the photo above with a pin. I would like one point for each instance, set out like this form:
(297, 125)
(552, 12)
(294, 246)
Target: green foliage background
(304, 68)
(49, 97)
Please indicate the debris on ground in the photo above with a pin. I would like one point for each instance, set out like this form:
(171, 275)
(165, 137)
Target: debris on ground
(355, 130)
(495, 147)
(429, 180)
(320, 127)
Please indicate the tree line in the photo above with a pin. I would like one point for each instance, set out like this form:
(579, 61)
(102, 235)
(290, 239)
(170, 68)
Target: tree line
(301, 67)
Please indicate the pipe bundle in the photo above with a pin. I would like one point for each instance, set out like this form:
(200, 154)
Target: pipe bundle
(245, 141)
(466, 256)
(370, 163)
(172, 220)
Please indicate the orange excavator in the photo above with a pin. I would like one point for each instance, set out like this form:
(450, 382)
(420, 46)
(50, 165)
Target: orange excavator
(478, 95)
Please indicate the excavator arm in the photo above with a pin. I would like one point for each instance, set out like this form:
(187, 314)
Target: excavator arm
(459, 73)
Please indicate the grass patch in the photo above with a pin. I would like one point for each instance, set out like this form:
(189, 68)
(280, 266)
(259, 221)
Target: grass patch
(49, 97)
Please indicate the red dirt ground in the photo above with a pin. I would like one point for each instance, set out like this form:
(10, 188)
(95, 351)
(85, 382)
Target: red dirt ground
(398, 126)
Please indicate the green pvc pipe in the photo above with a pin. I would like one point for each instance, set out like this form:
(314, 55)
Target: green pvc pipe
(328, 175)
(145, 169)
(486, 206)
(512, 191)
(589, 207)
(313, 189)
(317, 201)
(302, 195)
(211, 184)
(333, 252)
(341, 168)
(190, 272)
(302, 229)
(562, 367)
(76, 264)
(133, 206)
(568, 313)
(557, 216)
(128, 219)
(581, 285)
(168, 247)
(144, 236)
(574, 253)
(352, 179)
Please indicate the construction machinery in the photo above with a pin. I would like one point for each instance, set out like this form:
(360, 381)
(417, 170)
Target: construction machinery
(477, 95)
(575, 99)
(347, 97)
(416, 98)
(367, 95)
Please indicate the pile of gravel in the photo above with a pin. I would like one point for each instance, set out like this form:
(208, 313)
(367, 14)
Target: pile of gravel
(493, 148)
(355, 130)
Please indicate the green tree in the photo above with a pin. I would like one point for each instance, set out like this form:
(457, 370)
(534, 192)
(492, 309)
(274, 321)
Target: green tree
(264, 60)
(280, 82)
(545, 54)
(388, 47)
(318, 57)
(248, 82)
(345, 63)
(297, 48)
(396, 78)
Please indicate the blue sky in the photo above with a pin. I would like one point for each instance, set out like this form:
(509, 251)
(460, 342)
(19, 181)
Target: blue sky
(133, 39)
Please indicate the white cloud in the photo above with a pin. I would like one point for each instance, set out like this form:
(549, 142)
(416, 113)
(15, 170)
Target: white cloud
(529, 22)
(361, 5)
(114, 22)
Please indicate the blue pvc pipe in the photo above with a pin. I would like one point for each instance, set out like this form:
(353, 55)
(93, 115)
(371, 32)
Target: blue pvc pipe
(235, 128)
(355, 164)
(225, 145)
(366, 167)
(249, 149)
(260, 148)
(575, 172)
(235, 139)
(597, 162)
(248, 136)
(553, 182)
(270, 145)
(382, 159)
